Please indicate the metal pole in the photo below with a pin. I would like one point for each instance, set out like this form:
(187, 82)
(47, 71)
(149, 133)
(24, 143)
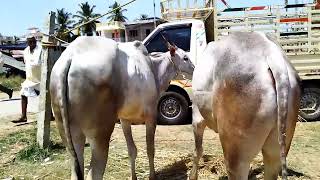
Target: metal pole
(154, 14)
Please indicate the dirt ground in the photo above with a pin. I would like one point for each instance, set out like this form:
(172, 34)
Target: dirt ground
(173, 157)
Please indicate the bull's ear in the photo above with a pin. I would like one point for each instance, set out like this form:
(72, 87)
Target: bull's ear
(172, 50)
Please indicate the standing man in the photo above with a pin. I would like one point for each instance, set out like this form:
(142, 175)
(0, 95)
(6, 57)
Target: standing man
(31, 86)
(3, 88)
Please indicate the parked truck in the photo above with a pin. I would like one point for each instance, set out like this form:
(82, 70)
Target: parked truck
(191, 26)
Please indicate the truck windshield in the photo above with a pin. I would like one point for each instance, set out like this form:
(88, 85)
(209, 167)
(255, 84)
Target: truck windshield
(179, 36)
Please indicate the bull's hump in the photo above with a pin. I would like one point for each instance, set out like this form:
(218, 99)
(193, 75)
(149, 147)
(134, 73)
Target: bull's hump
(137, 43)
(86, 43)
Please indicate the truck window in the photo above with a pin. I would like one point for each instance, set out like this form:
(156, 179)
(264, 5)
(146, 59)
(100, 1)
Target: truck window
(157, 44)
(179, 36)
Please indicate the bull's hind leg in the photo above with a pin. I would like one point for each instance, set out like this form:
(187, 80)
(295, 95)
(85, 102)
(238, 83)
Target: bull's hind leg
(239, 148)
(271, 151)
(150, 131)
(59, 124)
(99, 144)
(271, 156)
(237, 161)
(132, 149)
(78, 140)
(198, 130)
(271, 148)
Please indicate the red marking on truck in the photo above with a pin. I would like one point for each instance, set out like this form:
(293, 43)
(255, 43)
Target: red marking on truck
(258, 8)
(294, 20)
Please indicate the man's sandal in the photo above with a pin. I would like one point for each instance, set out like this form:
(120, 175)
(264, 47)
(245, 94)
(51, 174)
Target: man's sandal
(20, 120)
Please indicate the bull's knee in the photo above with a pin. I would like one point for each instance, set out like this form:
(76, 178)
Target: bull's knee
(238, 170)
(237, 161)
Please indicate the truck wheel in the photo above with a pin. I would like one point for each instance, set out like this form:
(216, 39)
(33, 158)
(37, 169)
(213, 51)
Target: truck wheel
(172, 109)
(310, 104)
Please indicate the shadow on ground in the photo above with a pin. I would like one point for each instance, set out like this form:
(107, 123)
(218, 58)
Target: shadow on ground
(257, 173)
(213, 165)
(175, 171)
(57, 146)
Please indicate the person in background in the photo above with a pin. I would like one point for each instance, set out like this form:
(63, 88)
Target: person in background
(6, 90)
(31, 86)
(3, 88)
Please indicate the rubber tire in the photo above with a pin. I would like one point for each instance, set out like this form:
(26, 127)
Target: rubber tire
(181, 118)
(316, 115)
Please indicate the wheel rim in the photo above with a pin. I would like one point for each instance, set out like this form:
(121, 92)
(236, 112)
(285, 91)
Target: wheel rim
(309, 104)
(170, 108)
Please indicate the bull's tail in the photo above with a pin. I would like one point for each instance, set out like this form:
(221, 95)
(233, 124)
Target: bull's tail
(64, 105)
(279, 71)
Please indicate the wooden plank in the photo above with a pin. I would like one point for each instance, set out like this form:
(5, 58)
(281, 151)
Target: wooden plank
(298, 53)
(315, 11)
(263, 28)
(315, 25)
(306, 61)
(297, 40)
(309, 76)
(307, 68)
(315, 19)
(262, 22)
(10, 61)
(299, 47)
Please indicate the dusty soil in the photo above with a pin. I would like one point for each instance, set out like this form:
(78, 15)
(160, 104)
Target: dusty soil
(173, 158)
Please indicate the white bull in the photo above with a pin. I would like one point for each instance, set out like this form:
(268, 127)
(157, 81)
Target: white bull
(97, 81)
(246, 90)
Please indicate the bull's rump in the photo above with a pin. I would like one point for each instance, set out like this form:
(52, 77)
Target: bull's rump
(244, 107)
(105, 78)
(242, 88)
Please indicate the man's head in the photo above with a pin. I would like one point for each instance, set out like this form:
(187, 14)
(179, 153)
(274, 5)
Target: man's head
(32, 42)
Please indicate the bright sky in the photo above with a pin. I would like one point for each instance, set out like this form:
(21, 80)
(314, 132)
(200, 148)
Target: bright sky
(16, 16)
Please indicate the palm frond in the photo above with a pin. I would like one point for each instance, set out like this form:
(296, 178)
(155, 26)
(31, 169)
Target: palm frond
(117, 14)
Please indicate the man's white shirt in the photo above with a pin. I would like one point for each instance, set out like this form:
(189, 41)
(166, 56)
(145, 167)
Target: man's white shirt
(33, 71)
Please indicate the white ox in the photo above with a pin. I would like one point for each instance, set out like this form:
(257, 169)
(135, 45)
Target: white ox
(97, 81)
(246, 90)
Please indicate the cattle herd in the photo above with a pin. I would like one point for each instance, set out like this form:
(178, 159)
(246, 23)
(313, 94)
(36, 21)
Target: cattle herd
(244, 88)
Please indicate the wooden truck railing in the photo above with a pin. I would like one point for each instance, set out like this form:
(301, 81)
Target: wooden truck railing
(186, 9)
(296, 27)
